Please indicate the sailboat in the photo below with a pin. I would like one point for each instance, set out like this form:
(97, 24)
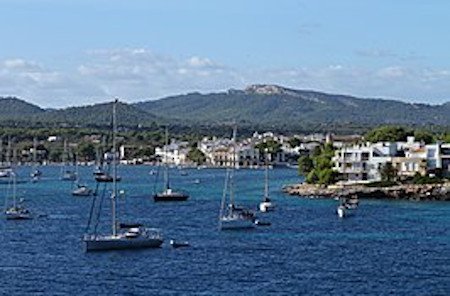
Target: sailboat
(80, 189)
(35, 172)
(101, 172)
(16, 211)
(232, 217)
(347, 206)
(122, 236)
(266, 205)
(168, 194)
(66, 173)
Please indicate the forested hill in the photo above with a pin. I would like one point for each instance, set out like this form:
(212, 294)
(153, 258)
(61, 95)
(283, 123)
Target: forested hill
(257, 107)
(15, 111)
(275, 106)
(98, 115)
(13, 108)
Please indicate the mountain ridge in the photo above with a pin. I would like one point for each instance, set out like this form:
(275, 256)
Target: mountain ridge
(258, 105)
(273, 105)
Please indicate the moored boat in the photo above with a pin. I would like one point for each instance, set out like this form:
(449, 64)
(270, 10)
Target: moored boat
(347, 207)
(232, 217)
(169, 194)
(178, 244)
(127, 237)
(17, 211)
(82, 190)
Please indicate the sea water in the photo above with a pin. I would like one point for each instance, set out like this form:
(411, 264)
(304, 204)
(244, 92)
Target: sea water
(387, 247)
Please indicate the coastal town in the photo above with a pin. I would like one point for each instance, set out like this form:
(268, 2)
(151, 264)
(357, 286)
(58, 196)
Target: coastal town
(355, 160)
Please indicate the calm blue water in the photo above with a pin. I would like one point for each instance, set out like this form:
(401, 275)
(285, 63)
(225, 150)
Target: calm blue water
(396, 248)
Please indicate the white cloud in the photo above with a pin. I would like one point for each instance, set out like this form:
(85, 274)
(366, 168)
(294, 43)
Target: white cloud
(200, 62)
(138, 73)
(21, 65)
(391, 72)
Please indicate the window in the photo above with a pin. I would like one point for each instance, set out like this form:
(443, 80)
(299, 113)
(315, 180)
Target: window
(365, 156)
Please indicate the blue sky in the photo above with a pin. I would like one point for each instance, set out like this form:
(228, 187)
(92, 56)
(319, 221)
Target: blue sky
(60, 52)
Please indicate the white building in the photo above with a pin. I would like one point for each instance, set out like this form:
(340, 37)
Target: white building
(363, 162)
(175, 153)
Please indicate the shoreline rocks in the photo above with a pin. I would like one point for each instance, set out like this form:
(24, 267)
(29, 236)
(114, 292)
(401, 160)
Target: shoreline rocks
(400, 192)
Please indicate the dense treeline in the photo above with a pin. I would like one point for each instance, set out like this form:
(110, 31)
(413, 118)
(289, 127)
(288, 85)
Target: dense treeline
(392, 133)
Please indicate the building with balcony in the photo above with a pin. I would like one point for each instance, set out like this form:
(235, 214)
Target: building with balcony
(363, 162)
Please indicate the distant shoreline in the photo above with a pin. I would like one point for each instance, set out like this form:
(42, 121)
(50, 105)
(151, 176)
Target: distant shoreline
(399, 192)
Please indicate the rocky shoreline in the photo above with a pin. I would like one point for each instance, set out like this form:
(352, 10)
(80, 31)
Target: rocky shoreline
(398, 192)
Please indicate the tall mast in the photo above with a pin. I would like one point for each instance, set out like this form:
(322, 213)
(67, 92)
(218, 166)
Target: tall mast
(114, 194)
(14, 155)
(266, 180)
(102, 151)
(34, 151)
(233, 164)
(1, 151)
(166, 168)
(64, 156)
(14, 190)
(8, 152)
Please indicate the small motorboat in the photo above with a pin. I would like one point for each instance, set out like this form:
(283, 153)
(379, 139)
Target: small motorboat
(106, 178)
(197, 181)
(36, 173)
(82, 190)
(262, 223)
(179, 244)
(170, 195)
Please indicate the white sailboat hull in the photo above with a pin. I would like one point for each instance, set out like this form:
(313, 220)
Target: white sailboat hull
(82, 191)
(14, 215)
(343, 211)
(103, 243)
(266, 207)
(236, 224)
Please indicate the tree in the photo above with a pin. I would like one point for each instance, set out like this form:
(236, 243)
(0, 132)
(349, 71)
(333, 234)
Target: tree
(388, 172)
(327, 176)
(322, 167)
(387, 134)
(312, 177)
(305, 165)
(424, 136)
(316, 151)
(55, 155)
(446, 138)
(86, 151)
(294, 142)
(195, 155)
(271, 146)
